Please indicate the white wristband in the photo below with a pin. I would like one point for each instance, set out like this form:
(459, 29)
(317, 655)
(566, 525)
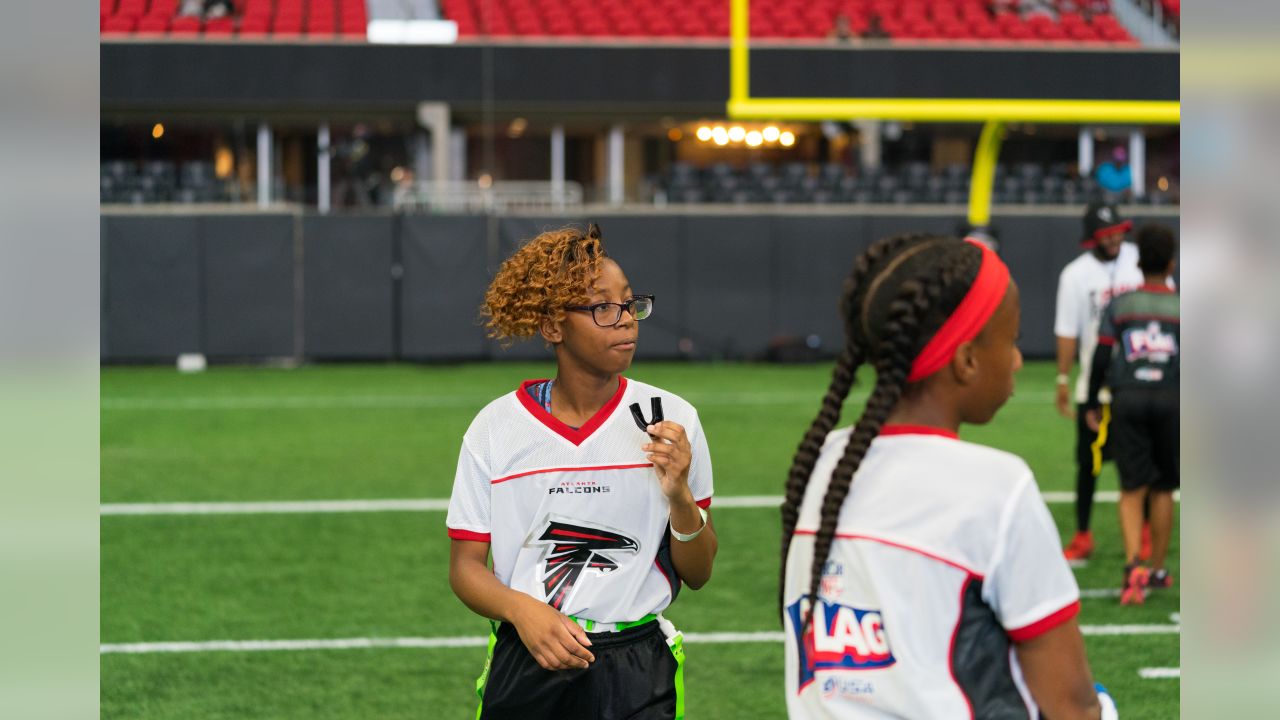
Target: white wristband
(1064, 379)
(686, 538)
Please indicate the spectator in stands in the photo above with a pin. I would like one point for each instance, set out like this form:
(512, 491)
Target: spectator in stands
(841, 31)
(217, 9)
(209, 9)
(875, 30)
(1113, 175)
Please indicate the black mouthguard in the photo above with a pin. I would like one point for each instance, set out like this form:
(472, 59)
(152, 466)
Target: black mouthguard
(656, 404)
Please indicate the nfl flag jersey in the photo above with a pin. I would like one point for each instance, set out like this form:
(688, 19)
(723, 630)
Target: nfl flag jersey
(944, 556)
(575, 517)
(1085, 286)
(1143, 328)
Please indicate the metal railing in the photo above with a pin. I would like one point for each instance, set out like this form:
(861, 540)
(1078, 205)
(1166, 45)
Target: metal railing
(470, 196)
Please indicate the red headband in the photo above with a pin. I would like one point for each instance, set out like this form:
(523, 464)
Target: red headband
(970, 316)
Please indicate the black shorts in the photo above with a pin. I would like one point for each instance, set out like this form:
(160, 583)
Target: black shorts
(635, 675)
(1144, 431)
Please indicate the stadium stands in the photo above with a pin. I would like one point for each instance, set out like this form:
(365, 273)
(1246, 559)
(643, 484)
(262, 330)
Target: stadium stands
(159, 181)
(1168, 13)
(252, 19)
(910, 183)
(1063, 21)
(983, 21)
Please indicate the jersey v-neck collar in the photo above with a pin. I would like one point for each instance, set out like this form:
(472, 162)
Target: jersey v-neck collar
(577, 436)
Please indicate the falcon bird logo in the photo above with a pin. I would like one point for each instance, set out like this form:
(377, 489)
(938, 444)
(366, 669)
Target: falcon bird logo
(572, 549)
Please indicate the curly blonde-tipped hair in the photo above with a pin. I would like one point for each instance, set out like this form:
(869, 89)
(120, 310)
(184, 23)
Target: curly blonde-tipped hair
(555, 269)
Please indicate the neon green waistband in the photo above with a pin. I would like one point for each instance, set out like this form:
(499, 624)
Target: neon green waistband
(593, 626)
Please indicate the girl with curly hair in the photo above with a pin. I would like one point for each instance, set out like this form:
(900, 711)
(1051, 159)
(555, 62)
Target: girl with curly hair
(590, 492)
(934, 586)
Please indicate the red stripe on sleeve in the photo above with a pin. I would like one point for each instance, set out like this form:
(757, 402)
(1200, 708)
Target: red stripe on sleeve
(468, 535)
(1045, 624)
(704, 503)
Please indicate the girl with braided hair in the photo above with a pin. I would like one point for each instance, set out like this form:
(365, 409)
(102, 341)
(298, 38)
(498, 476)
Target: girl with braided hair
(590, 493)
(934, 586)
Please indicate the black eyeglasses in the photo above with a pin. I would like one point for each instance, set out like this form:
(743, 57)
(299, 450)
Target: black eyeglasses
(607, 314)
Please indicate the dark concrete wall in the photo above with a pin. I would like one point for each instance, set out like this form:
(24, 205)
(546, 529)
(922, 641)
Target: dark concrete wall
(256, 286)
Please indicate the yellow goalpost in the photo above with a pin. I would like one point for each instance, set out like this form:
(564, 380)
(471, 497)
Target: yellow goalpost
(992, 112)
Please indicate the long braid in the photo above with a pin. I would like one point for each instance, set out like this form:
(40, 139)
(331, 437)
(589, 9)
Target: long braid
(842, 377)
(923, 278)
(894, 354)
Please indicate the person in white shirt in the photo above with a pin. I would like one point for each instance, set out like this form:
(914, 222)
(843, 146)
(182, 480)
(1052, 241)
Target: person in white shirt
(591, 492)
(1108, 267)
(922, 575)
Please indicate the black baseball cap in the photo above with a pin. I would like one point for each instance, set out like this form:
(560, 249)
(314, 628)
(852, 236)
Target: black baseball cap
(1100, 218)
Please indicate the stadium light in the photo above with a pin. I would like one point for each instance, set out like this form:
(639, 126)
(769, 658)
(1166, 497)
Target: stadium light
(704, 133)
(787, 138)
(157, 131)
(754, 138)
(771, 134)
(737, 133)
(720, 136)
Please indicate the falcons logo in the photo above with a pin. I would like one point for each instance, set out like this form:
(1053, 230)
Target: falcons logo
(572, 549)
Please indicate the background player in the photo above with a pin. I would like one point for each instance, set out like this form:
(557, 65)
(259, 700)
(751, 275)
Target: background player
(1137, 356)
(902, 592)
(593, 524)
(1108, 267)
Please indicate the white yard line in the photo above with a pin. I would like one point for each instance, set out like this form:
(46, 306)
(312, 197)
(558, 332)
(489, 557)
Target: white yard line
(1131, 629)
(480, 641)
(426, 505)
(312, 402)
(275, 507)
(1165, 673)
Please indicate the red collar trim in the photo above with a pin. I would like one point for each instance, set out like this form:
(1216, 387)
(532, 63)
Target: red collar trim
(918, 430)
(1153, 288)
(577, 437)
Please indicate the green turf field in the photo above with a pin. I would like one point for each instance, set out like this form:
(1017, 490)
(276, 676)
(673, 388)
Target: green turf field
(373, 432)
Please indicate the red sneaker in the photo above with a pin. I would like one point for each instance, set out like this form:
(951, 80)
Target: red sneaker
(1145, 552)
(1081, 547)
(1160, 579)
(1134, 591)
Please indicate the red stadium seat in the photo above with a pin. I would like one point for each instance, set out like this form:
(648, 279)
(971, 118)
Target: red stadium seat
(134, 9)
(221, 27)
(186, 25)
(119, 25)
(153, 25)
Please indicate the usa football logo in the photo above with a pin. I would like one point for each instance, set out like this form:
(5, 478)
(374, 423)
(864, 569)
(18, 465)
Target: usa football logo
(571, 549)
(1150, 342)
(840, 637)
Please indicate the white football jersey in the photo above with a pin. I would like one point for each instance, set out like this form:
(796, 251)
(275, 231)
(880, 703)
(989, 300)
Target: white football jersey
(575, 518)
(945, 554)
(1085, 286)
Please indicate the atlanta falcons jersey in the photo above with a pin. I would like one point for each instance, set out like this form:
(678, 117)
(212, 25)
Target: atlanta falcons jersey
(575, 517)
(1085, 286)
(944, 555)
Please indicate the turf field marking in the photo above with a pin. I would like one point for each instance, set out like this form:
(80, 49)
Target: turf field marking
(1160, 673)
(1104, 630)
(313, 402)
(480, 641)
(275, 507)
(432, 505)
